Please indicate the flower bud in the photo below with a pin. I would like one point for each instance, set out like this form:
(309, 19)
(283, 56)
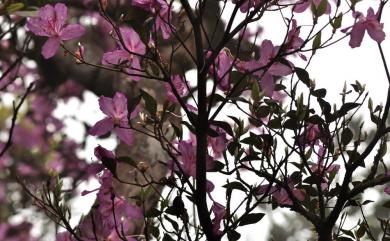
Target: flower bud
(142, 166)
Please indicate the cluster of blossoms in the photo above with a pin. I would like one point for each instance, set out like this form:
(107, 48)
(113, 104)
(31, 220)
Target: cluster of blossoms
(215, 143)
(112, 212)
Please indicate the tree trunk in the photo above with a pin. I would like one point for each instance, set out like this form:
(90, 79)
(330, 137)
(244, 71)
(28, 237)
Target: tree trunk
(324, 233)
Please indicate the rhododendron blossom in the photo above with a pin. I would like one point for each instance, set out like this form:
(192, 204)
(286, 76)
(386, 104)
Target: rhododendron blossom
(128, 53)
(267, 73)
(188, 157)
(301, 6)
(180, 87)
(281, 195)
(367, 23)
(312, 136)
(162, 11)
(117, 118)
(221, 69)
(51, 23)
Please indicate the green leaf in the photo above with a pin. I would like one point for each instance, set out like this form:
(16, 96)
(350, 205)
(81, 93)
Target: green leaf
(346, 136)
(337, 21)
(321, 9)
(225, 126)
(346, 108)
(303, 75)
(133, 102)
(251, 218)
(173, 222)
(14, 7)
(255, 94)
(361, 231)
(235, 185)
(150, 103)
(153, 212)
(274, 124)
(167, 237)
(110, 164)
(316, 42)
(233, 235)
(320, 93)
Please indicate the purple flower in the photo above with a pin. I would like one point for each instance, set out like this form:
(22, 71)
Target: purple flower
(280, 194)
(162, 11)
(311, 136)
(124, 55)
(218, 144)
(222, 67)
(387, 189)
(187, 159)
(180, 87)
(219, 212)
(268, 53)
(116, 111)
(51, 23)
(305, 4)
(64, 236)
(369, 23)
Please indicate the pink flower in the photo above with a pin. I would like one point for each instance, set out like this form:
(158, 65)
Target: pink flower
(180, 87)
(301, 6)
(311, 136)
(124, 56)
(218, 144)
(280, 194)
(51, 24)
(219, 212)
(387, 189)
(294, 42)
(117, 114)
(369, 23)
(323, 171)
(64, 236)
(187, 158)
(163, 14)
(267, 54)
(222, 67)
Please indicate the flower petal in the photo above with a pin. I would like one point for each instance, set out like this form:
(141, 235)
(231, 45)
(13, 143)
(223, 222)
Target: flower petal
(120, 103)
(50, 47)
(36, 26)
(267, 84)
(115, 57)
(107, 106)
(357, 35)
(72, 31)
(125, 135)
(375, 30)
(102, 127)
(61, 13)
(47, 12)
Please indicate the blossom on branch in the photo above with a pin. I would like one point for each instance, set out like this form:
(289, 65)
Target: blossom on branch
(51, 23)
(127, 54)
(367, 23)
(117, 118)
(221, 69)
(267, 67)
(180, 87)
(163, 14)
